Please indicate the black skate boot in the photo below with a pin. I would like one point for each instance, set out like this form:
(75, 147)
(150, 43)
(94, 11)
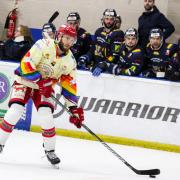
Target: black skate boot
(1, 148)
(52, 157)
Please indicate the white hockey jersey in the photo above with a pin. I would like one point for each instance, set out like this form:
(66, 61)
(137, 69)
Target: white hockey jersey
(43, 61)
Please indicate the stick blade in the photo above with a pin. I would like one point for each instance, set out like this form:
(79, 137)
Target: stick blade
(148, 172)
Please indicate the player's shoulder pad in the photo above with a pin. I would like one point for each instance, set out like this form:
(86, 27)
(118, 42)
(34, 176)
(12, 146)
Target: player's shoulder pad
(99, 30)
(171, 46)
(44, 43)
(137, 50)
(117, 32)
(81, 31)
(72, 58)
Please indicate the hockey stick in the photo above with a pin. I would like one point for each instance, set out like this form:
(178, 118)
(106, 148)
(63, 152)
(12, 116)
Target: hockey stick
(150, 172)
(53, 17)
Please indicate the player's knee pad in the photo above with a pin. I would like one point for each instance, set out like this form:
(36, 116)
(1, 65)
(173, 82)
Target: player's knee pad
(14, 113)
(45, 117)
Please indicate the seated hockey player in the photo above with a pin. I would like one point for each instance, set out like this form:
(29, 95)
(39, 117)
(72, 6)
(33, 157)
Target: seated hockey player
(48, 62)
(97, 52)
(114, 40)
(162, 60)
(50, 29)
(128, 60)
(83, 43)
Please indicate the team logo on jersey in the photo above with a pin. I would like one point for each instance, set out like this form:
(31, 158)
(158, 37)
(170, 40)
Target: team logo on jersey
(157, 60)
(156, 53)
(46, 70)
(47, 55)
(4, 87)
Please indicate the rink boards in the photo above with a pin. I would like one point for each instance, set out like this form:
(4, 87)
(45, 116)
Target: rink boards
(124, 110)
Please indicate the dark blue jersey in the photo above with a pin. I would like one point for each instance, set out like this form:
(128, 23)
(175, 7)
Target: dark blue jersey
(102, 45)
(114, 41)
(82, 44)
(159, 60)
(128, 62)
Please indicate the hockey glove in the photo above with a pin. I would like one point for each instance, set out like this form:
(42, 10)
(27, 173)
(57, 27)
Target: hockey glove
(78, 116)
(45, 87)
(172, 74)
(97, 71)
(82, 62)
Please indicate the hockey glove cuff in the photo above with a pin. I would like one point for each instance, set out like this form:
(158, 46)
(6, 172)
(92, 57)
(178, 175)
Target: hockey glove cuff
(78, 116)
(45, 87)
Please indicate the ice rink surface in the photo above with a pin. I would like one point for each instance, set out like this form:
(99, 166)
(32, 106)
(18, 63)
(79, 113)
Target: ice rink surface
(22, 159)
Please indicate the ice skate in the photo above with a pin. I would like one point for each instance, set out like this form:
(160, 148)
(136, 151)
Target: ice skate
(52, 158)
(1, 148)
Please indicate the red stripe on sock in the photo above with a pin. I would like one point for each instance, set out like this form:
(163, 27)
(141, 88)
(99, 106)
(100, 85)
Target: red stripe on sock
(5, 126)
(48, 132)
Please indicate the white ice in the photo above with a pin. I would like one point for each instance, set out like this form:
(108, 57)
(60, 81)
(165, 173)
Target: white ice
(81, 160)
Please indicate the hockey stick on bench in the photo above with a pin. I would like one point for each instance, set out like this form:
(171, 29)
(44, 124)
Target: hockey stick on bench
(150, 172)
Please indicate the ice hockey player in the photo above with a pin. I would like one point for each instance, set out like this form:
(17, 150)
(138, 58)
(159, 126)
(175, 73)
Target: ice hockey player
(97, 53)
(114, 40)
(50, 29)
(45, 64)
(129, 59)
(162, 59)
(83, 43)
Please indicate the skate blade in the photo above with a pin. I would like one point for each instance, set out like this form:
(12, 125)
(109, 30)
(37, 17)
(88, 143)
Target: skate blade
(1, 152)
(56, 166)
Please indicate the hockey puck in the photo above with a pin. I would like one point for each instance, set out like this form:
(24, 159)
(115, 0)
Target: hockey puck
(152, 176)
